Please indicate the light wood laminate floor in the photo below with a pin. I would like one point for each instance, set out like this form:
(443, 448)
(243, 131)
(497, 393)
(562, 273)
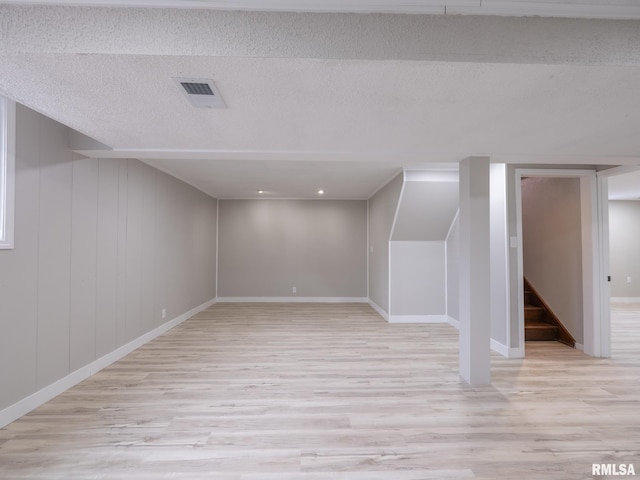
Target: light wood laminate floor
(314, 392)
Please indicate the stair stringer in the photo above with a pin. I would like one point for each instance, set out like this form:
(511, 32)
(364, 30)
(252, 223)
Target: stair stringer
(563, 336)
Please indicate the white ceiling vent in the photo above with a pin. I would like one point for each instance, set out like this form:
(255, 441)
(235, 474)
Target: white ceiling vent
(201, 92)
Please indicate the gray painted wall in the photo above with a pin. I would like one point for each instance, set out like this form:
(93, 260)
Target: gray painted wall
(382, 209)
(552, 246)
(269, 246)
(101, 247)
(624, 232)
(417, 273)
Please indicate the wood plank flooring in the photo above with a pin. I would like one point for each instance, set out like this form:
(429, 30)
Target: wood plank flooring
(324, 392)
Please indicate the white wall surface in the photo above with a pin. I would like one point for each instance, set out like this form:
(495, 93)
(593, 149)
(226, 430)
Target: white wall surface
(513, 258)
(418, 285)
(624, 232)
(552, 246)
(426, 210)
(499, 252)
(382, 210)
(267, 247)
(101, 247)
(453, 259)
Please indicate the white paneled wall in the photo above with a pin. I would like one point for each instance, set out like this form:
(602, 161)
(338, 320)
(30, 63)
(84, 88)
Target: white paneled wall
(418, 281)
(53, 223)
(83, 275)
(101, 248)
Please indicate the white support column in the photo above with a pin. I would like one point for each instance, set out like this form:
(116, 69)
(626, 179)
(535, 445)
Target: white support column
(475, 272)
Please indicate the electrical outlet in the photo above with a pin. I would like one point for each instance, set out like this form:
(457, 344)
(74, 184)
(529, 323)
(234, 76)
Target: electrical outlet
(294, 290)
(164, 313)
(628, 279)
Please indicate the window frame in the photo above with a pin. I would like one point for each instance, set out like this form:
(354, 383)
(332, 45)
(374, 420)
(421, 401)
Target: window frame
(7, 172)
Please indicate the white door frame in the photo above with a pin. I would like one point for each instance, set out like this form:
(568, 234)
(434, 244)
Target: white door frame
(603, 212)
(595, 299)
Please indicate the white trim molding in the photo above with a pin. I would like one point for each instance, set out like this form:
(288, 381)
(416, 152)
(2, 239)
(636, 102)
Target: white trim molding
(49, 392)
(378, 309)
(418, 319)
(7, 171)
(508, 352)
(293, 300)
(596, 322)
(625, 299)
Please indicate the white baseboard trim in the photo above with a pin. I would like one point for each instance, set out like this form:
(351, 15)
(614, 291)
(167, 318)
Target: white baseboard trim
(499, 348)
(418, 319)
(453, 322)
(379, 309)
(507, 352)
(625, 299)
(579, 346)
(293, 300)
(33, 401)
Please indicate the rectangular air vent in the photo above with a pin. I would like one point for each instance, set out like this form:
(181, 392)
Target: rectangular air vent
(201, 93)
(197, 88)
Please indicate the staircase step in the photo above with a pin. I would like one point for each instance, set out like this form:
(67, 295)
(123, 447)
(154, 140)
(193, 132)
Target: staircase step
(533, 313)
(540, 331)
(539, 322)
(528, 298)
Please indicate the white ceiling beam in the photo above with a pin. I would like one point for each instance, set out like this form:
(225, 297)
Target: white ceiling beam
(545, 8)
(437, 7)
(126, 31)
(611, 9)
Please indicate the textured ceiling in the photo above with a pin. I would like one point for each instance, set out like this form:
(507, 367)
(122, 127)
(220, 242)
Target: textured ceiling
(553, 8)
(333, 101)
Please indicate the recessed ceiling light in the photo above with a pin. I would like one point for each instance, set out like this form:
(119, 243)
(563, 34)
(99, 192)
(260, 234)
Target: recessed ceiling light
(260, 191)
(320, 192)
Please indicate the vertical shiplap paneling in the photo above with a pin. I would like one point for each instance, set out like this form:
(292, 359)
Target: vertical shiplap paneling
(107, 258)
(149, 317)
(54, 253)
(84, 231)
(206, 282)
(180, 224)
(84, 222)
(123, 205)
(162, 255)
(19, 271)
(189, 197)
(135, 183)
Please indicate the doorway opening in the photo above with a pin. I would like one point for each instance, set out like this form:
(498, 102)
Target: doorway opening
(578, 292)
(623, 192)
